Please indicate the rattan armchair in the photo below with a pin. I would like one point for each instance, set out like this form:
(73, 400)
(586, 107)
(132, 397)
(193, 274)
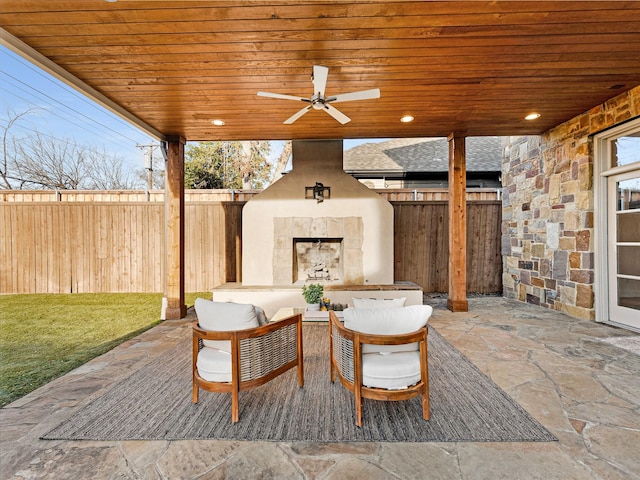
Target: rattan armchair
(354, 363)
(256, 356)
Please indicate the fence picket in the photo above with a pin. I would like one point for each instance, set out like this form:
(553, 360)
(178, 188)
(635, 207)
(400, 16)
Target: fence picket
(115, 246)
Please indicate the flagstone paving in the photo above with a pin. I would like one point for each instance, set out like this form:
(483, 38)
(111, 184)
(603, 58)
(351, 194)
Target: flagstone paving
(585, 390)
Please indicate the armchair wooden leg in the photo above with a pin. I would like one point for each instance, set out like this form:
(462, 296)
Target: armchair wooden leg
(194, 395)
(426, 411)
(235, 411)
(358, 403)
(300, 372)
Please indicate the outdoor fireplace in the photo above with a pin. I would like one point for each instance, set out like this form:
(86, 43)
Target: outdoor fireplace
(344, 242)
(350, 232)
(317, 260)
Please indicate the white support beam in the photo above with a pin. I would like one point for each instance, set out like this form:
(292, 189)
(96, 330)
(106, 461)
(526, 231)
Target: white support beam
(25, 51)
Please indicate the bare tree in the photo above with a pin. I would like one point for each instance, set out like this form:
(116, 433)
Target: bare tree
(40, 161)
(282, 161)
(107, 172)
(50, 163)
(7, 140)
(142, 175)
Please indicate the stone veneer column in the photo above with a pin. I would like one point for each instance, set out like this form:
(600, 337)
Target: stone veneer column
(547, 216)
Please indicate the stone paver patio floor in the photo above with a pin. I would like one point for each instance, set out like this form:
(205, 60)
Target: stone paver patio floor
(584, 390)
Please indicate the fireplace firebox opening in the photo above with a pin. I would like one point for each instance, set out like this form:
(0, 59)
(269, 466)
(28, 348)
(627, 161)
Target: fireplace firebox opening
(317, 260)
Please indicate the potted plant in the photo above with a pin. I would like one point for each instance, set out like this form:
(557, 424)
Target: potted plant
(312, 294)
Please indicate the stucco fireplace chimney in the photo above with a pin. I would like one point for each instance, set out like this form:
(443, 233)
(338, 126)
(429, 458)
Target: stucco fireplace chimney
(352, 229)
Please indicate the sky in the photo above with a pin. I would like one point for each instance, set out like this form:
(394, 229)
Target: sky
(60, 112)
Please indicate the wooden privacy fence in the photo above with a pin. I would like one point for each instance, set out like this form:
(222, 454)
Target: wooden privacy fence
(218, 195)
(421, 243)
(112, 247)
(66, 247)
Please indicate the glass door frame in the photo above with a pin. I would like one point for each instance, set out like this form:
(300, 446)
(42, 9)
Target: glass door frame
(624, 315)
(602, 170)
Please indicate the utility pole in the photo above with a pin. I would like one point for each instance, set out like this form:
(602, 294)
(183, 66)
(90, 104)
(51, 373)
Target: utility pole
(148, 162)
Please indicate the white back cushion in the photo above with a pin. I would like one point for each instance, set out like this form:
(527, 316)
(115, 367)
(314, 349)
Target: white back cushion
(388, 321)
(378, 302)
(224, 316)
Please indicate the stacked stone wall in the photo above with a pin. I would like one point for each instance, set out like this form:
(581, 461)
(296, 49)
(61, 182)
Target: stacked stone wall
(548, 211)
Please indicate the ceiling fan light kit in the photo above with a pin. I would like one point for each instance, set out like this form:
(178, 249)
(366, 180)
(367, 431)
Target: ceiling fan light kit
(318, 101)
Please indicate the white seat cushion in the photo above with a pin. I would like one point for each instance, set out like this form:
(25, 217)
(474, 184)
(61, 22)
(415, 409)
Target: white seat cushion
(224, 316)
(214, 365)
(388, 321)
(392, 371)
(378, 302)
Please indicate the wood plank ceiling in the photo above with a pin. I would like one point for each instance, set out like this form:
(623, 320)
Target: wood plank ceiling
(457, 66)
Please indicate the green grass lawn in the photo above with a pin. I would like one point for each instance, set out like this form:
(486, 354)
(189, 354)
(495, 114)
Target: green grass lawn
(44, 336)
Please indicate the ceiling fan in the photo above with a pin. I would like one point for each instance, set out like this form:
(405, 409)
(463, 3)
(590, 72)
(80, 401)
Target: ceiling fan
(318, 101)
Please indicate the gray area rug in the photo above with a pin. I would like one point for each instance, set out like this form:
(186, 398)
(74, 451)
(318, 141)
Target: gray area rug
(155, 404)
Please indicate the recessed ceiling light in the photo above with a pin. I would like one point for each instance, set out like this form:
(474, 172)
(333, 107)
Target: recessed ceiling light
(532, 116)
(406, 119)
(217, 123)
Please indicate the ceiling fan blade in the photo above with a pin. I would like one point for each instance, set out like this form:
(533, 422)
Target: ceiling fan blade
(362, 95)
(320, 75)
(337, 114)
(297, 115)
(283, 97)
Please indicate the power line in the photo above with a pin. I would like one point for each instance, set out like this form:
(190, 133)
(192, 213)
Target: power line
(83, 127)
(67, 89)
(148, 161)
(73, 142)
(65, 106)
(104, 132)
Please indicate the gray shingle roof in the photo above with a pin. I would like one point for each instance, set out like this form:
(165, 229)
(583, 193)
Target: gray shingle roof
(484, 154)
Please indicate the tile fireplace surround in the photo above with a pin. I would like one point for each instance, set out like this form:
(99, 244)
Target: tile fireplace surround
(347, 229)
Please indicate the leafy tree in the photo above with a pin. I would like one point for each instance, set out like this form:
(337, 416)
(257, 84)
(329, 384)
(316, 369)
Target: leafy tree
(237, 164)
